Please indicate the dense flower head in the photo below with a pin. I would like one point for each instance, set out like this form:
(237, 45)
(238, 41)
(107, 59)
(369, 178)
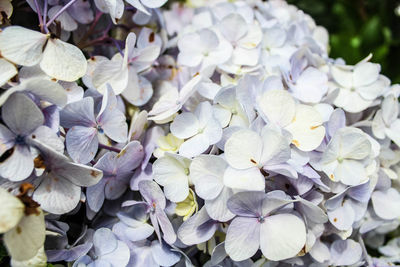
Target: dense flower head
(208, 133)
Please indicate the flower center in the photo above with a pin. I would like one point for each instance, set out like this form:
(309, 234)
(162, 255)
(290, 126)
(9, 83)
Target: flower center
(261, 219)
(19, 140)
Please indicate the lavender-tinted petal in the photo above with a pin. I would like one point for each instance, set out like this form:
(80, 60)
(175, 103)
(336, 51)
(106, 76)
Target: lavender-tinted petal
(78, 113)
(95, 195)
(6, 139)
(141, 175)
(140, 233)
(21, 114)
(345, 252)
(52, 117)
(166, 226)
(115, 188)
(111, 119)
(311, 211)
(130, 157)
(360, 192)
(191, 232)
(78, 251)
(150, 143)
(247, 204)
(163, 254)
(336, 121)
(104, 241)
(82, 143)
(152, 192)
(242, 238)
(119, 257)
(81, 12)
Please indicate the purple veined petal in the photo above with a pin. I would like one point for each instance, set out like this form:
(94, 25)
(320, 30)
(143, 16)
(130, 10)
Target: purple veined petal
(57, 195)
(154, 222)
(111, 119)
(104, 241)
(18, 164)
(273, 201)
(342, 217)
(385, 203)
(335, 201)
(247, 204)
(282, 236)
(66, 21)
(166, 227)
(100, 263)
(86, 260)
(82, 143)
(6, 139)
(310, 211)
(152, 193)
(320, 252)
(95, 195)
(163, 255)
(115, 188)
(107, 163)
(150, 143)
(52, 117)
(284, 169)
(130, 157)
(302, 184)
(142, 256)
(139, 233)
(360, 192)
(218, 253)
(21, 114)
(336, 121)
(78, 113)
(345, 252)
(76, 252)
(197, 229)
(119, 257)
(141, 175)
(81, 12)
(242, 238)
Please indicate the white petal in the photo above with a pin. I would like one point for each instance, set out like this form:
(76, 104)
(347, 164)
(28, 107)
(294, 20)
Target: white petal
(206, 172)
(248, 179)
(365, 73)
(282, 236)
(277, 106)
(7, 71)
(243, 149)
(194, 146)
(22, 46)
(11, 211)
(24, 241)
(63, 61)
(306, 128)
(185, 125)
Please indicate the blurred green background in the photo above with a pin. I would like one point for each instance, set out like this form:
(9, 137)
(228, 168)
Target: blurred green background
(360, 27)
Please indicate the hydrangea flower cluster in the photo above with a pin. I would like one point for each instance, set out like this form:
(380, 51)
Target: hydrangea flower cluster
(211, 133)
